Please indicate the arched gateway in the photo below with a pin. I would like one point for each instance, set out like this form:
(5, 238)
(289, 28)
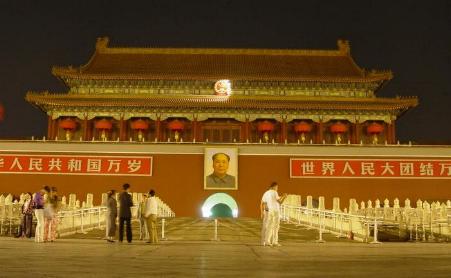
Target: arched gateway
(220, 205)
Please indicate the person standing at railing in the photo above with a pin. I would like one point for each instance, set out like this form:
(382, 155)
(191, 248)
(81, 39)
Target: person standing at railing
(111, 215)
(51, 215)
(143, 229)
(272, 201)
(38, 203)
(125, 214)
(151, 216)
(27, 217)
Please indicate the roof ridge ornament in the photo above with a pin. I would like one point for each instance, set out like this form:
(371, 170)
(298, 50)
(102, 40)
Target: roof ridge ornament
(344, 47)
(102, 43)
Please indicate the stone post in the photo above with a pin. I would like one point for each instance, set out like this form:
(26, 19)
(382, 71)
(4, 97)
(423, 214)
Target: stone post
(72, 201)
(407, 204)
(362, 205)
(9, 200)
(443, 211)
(298, 201)
(104, 199)
(419, 203)
(336, 204)
(309, 202)
(89, 200)
(353, 207)
(321, 205)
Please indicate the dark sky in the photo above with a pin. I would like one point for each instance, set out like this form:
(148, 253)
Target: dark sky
(413, 40)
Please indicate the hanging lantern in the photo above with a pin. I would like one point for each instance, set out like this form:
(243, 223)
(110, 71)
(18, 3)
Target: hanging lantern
(302, 128)
(338, 129)
(69, 125)
(2, 112)
(140, 125)
(374, 129)
(104, 125)
(265, 127)
(176, 126)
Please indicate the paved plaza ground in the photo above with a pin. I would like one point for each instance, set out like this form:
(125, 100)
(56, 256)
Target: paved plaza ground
(236, 254)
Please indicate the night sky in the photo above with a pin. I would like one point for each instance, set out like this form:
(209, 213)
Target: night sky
(412, 40)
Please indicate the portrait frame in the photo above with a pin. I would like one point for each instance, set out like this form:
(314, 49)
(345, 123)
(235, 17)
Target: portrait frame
(232, 171)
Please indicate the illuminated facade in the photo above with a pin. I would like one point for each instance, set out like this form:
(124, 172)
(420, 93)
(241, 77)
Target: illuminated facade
(221, 96)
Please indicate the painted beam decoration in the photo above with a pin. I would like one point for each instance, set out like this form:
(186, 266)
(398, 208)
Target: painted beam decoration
(370, 168)
(110, 165)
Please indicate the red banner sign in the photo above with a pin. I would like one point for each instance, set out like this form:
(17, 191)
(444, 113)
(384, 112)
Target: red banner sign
(370, 168)
(76, 165)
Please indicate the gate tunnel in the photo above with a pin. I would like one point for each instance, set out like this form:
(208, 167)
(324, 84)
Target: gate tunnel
(220, 205)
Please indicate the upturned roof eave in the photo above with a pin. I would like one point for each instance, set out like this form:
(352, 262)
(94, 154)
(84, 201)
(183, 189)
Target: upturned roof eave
(239, 102)
(70, 73)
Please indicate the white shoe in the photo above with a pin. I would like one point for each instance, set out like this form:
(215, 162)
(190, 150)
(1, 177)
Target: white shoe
(277, 244)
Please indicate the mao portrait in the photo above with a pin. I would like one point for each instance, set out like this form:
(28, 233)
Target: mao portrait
(220, 168)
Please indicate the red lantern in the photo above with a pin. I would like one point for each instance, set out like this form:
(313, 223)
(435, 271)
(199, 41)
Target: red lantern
(374, 128)
(68, 124)
(338, 128)
(175, 125)
(140, 125)
(265, 126)
(104, 124)
(2, 112)
(302, 127)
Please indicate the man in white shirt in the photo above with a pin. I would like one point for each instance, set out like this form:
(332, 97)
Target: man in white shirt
(271, 202)
(151, 217)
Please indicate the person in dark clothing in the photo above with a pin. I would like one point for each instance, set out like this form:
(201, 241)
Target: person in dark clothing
(125, 214)
(111, 216)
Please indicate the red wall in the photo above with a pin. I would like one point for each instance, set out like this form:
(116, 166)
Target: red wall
(178, 180)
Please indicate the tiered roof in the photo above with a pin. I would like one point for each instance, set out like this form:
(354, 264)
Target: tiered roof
(214, 64)
(204, 64)
(223, 102)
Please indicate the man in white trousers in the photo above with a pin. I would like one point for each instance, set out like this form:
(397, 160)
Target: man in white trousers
(271, 201)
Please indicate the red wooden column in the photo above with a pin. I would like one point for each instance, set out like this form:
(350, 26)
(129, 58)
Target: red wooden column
(387, 128)
(357, 132)
(122, 131)
(89, 131)
(247, 130)
(283, 135)
(157, 129)
(243, 132)
(49, 126)
(194, 130)
(393, 132)
(85, 129)
(54, 129)
(319, 132)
